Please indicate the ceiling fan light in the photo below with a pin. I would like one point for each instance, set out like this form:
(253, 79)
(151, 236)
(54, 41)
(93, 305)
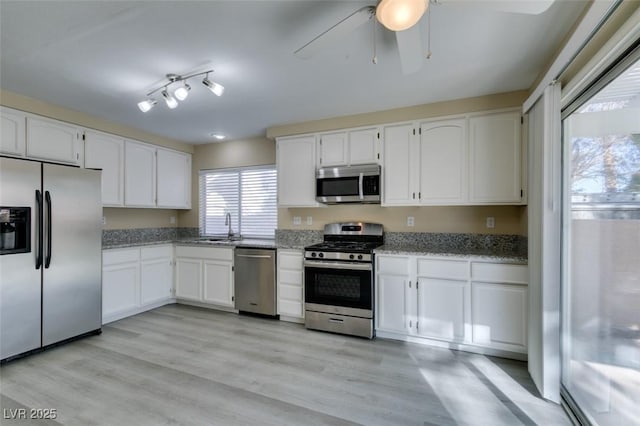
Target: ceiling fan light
(182, 92)
(216, 88)
(170, 100)
(147, 104)
(399, 15)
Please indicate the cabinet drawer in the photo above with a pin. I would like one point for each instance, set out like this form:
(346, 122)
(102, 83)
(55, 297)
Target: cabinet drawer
(392, 265)
(450, 269)
(156, 252)
(289, 277)
(291, 261)
(290, 293)
(499, 272)
(113, 257)
(219, 253)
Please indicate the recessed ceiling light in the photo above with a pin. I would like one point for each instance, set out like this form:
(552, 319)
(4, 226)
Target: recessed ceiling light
(218, 136)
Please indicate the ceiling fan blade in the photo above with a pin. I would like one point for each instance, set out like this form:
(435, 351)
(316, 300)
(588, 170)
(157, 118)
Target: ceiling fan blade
(531, 7)
(410, 49)
(335, 33)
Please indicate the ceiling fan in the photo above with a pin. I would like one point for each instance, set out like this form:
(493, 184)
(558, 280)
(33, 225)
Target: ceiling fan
(401, 17)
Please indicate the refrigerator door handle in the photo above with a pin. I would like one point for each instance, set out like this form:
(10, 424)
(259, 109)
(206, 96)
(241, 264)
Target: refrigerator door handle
(39, 228)
(47, 197)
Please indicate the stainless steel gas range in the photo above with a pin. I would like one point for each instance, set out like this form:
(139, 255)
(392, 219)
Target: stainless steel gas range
(339, 279)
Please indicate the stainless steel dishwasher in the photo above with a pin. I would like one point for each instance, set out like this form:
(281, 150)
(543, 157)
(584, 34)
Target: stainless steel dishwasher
(255, 280)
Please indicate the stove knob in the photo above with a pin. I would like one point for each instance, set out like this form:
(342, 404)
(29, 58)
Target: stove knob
(351, 256)
(359, 257)
(321, 255)
(313, 254)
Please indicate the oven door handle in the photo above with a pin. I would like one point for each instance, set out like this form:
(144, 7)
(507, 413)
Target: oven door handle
(360, 186)
(338, 265)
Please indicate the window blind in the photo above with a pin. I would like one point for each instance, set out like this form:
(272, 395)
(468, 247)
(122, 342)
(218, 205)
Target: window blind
(248, 195)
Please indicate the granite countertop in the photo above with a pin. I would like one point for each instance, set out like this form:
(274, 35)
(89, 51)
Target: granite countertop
(470, 254)
(252, 243)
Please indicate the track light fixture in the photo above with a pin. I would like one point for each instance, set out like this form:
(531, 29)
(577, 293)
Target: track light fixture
(179, 94)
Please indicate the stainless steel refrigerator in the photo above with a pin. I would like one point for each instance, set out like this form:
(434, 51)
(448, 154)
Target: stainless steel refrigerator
(50, 254)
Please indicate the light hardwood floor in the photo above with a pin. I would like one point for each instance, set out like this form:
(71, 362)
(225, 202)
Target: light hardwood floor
(179, 365)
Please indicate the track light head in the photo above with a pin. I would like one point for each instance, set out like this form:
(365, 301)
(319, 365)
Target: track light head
(216, 88)
(147, 104)
(170, 100)
(182, 92)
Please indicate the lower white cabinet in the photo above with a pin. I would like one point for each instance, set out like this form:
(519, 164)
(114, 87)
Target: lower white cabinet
(474, 305)
(135, 280)
(290, 288)
(205, 275)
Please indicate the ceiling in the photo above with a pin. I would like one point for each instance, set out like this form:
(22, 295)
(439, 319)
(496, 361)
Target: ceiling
(102, 57)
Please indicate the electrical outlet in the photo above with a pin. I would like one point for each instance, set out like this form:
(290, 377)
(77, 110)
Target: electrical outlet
(297, 220)
(491, 222)
(172, 219)
(410, 221)
(104, 220)
(309, 220)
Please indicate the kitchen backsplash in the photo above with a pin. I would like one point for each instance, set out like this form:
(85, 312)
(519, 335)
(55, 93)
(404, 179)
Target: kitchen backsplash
(114, 237)
(297, 238)
(441, 241)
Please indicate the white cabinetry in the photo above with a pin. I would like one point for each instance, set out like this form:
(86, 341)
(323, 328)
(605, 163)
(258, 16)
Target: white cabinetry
(290, 288)
(205, 275)
(478, 306)
(352, 147)
(174, 179)
(400, 165)
(499, 294)
(156, 269)
(12, 139)
(495, 158)
(53, 140)
(106, 152)
(296, 165)
(135, 280)
(140, 175)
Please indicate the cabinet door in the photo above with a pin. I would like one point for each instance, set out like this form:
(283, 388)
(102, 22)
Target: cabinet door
(296, 164)
(53, 140)
(156, 280)
(106, 152)
(500, 315)
(394, 303)
(495, 158)
(188, 279)
(119, 288)
(399, 166)
(443, 162)
(139, 175)
(218, 283)
(12, 138)
(363, 146)
(290, 289)
(443, 307)
(174, 179)
(333, 149)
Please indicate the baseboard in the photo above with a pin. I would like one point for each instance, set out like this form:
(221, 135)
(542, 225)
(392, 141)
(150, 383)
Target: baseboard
(291, 319)
(206, 305)
(135, 311)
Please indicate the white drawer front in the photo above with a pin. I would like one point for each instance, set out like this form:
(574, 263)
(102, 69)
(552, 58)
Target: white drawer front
(291, 261)
(156, 252)
(220, 253)
(392, 265)
(290, 277)
(290, 293)
(499, 272)
(450, 269)
(113, 257)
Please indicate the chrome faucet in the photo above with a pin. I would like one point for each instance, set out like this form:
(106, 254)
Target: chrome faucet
(227, 221)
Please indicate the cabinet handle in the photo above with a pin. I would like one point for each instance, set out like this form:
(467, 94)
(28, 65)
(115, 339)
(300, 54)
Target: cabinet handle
(414, 195)
(409, 284)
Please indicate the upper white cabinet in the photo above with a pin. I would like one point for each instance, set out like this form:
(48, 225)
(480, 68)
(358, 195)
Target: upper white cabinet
(106, 152)
(296, 165)
(140, 175)
(174, 179)
(53, 140)
(495, 158)
(357, 146)
(443, 162)
(12, 139)
(400, 165)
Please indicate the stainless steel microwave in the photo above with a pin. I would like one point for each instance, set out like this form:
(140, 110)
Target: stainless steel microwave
(348, 184)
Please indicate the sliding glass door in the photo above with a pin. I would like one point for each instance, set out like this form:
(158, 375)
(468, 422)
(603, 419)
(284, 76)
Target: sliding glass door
(601, 260)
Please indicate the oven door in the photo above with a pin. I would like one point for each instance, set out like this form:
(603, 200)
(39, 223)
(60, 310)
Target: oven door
(339, 287)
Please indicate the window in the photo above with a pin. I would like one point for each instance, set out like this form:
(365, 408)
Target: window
(246, 195)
